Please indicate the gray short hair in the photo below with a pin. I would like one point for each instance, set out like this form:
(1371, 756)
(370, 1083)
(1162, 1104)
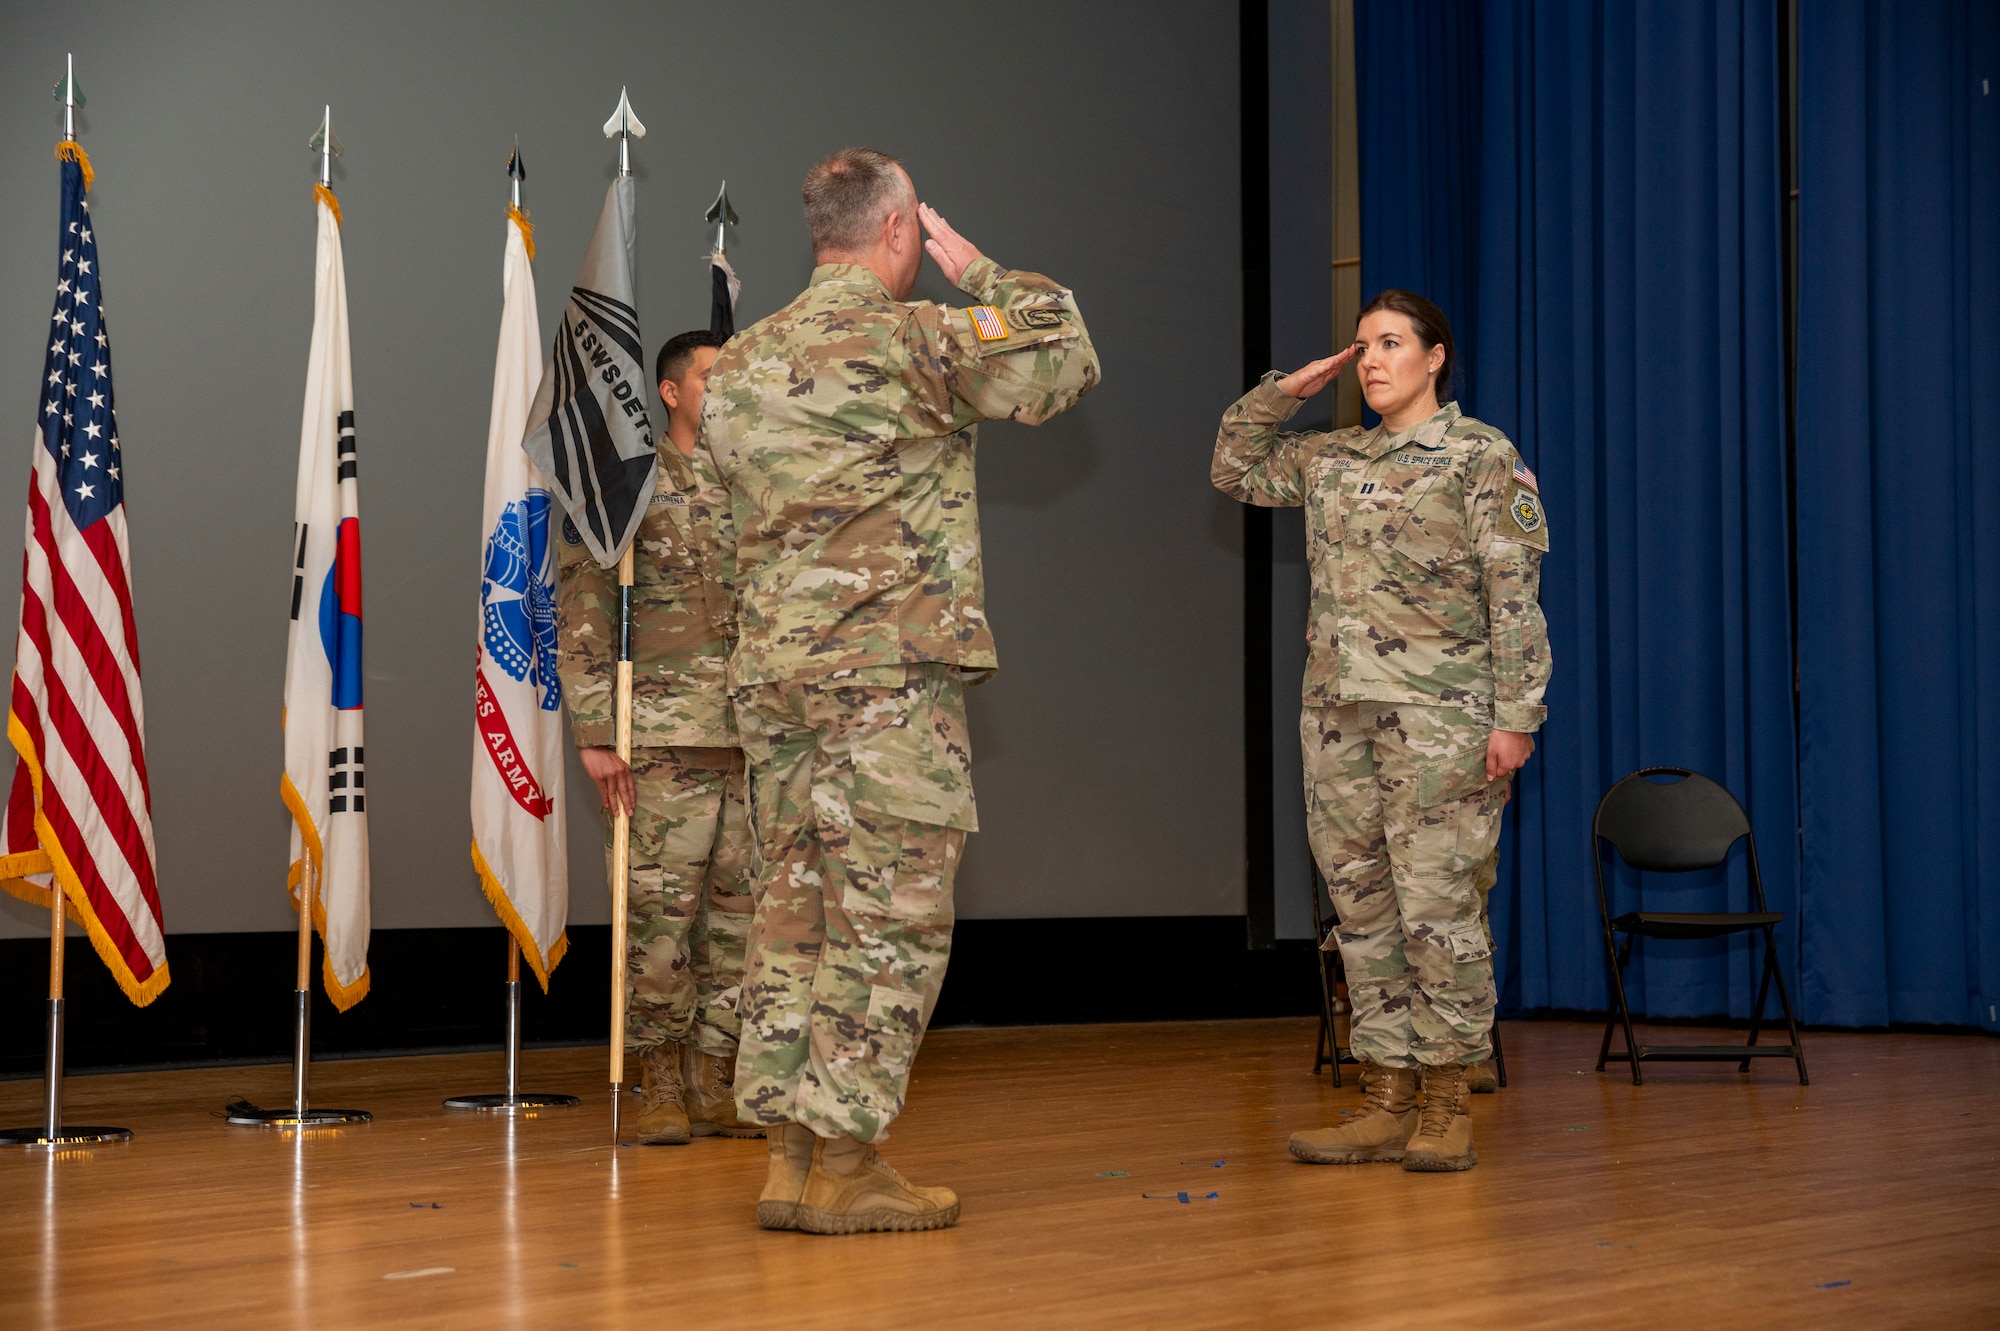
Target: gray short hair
(847, 194)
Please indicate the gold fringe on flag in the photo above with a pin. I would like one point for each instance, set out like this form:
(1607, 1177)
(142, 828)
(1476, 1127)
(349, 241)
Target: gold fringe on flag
(344, 996)
(14, 871)
(520, 216)
(523, 936)
(325, 196)
(69, 150)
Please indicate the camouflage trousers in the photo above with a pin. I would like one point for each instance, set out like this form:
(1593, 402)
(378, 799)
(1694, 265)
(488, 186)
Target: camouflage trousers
(688, 911)
(861, 792)
(1403, 823)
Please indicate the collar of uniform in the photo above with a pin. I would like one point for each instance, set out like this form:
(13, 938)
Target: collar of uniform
(678, 466)
(1378, 441)
(854, 276)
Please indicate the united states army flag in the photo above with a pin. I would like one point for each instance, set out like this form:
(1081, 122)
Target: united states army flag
(517, 749)
(324, 784)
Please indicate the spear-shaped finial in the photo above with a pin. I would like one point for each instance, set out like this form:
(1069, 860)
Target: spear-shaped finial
(517, 171)
(624, 126)
(71, 97)
(327, 145)
(723, 217)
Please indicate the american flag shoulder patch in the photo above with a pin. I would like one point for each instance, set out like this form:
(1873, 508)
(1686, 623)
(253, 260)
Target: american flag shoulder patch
(987, 324)
(1524, 476)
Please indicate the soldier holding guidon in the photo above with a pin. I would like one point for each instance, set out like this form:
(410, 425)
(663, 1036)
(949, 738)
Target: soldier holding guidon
(689, 905)
(1427, 664)
(844, 428)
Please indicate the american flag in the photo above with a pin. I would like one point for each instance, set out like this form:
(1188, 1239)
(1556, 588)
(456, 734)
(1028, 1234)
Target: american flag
(1524, 476)
(80, 815)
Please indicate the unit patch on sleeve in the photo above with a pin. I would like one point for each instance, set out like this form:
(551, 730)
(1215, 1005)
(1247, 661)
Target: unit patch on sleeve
(1526, 510)
(987, 324)
(1036, 316)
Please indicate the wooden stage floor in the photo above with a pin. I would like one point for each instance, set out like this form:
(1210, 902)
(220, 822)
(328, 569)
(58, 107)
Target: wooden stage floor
(1871, 1197)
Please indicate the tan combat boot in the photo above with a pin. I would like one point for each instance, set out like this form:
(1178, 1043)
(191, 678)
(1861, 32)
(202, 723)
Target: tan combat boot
(1388, 1116)
(1481, 1079)
(791, 1157)
(711, 1097)
(853, 1190)
(663, 1119)
(1444, 1132)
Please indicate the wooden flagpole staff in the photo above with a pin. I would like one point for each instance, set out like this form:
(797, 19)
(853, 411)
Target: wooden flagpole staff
(621, 841)
(623, 126)
(52, 1132)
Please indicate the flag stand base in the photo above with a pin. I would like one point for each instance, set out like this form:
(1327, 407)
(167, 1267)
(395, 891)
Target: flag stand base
(298, 1114)
(64, 1136)
(53, 1132)
(242, 1111)
(503, 1102)
(513, 1098)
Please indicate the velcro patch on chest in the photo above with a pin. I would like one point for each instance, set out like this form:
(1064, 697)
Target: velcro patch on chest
(987, 325)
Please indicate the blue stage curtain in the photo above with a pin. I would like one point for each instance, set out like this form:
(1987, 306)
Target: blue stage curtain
(1417, 70)
(1899, 509)
(1623, 328)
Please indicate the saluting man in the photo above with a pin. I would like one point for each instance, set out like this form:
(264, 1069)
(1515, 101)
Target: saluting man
(689, 904)
(1428, 658)
(843, 426)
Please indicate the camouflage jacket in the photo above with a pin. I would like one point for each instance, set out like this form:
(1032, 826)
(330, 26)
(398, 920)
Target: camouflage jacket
(682, 621)
(1426, 550)
(844, 426)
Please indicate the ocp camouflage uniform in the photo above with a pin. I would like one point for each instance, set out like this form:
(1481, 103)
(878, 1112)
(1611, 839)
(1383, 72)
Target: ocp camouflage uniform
(1424, 635)
(692, 860)
(844, 427)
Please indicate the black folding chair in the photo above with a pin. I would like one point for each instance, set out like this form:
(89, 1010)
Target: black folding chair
(1682, 826)
(1325, 1052)
(1331, 974)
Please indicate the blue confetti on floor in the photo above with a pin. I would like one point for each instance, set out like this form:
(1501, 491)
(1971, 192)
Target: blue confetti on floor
(1834, 1284)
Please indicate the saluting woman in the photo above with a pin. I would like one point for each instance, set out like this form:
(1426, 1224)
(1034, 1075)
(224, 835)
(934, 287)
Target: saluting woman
(1423, 690)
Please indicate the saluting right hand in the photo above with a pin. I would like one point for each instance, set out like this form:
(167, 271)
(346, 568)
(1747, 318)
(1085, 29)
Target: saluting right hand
(952, 252)
(1304, 383)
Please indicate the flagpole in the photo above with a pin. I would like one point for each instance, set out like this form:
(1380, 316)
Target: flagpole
(621, 838)
(622, 126)
(52, 1132)
(721, 277)
(302, 1114)
(513, 1097)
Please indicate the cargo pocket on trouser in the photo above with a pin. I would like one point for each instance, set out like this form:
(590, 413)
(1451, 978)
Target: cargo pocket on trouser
(1457, 789)
(895, 1028)
(910, 801)
(1468, 943)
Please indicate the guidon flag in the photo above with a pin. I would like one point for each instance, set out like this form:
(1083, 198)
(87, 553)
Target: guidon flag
(589, 431)
(518, 844)
(324, 784)
(79, 819)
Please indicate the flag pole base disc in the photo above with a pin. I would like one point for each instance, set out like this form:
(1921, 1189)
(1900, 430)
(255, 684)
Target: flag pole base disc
(252, 1116)
(505, 1102)
(65, 1136)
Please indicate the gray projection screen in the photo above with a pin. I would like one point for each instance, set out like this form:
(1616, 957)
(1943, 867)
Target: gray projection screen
(1094, 142)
